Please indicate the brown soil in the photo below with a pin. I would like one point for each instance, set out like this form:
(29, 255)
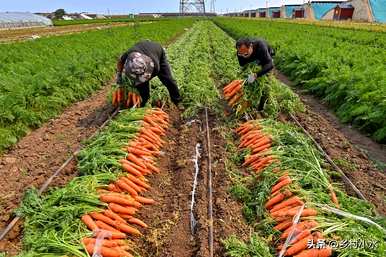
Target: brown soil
(340, 143)
(170, 232)
(27, 33)
(39, 154)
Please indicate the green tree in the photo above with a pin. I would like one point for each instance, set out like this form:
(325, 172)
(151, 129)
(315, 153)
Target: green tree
(59, 13)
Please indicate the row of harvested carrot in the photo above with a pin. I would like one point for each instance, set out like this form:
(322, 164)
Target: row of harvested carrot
(282, 205)
(123, 195)
(129, 100)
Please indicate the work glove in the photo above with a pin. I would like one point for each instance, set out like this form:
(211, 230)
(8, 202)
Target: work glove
(251, 78)
(119, 79)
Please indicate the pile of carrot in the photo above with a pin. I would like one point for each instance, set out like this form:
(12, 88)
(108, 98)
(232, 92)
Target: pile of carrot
(233, 92)
(128, 100)
(253, 138)
(123, 196)
(283, 205)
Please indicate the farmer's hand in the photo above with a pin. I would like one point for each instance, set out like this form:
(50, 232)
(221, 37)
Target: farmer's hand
(251, 78)
(119, 79)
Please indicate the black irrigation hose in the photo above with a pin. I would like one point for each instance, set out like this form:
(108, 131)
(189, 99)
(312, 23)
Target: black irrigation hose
(56, 173)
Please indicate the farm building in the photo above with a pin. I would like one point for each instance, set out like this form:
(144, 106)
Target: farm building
(22, 19)
(298, 12)
(286, 11)
(378, 10)
(249, 13)
(262, 12)
(274, 12)
(343, 11)
(320, 10)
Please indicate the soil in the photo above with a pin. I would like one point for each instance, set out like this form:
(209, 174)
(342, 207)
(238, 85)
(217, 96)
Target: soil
(12, 35)
(343, 145)
(170, 231)
(36, 157)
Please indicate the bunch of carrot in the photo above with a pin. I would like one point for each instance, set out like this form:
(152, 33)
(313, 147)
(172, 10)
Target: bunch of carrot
(283, 205)
(253, 138)
(129, 100)
(233, 92)
(123, 195)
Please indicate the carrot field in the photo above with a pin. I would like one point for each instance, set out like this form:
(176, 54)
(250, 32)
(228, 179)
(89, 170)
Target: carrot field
(216, 179)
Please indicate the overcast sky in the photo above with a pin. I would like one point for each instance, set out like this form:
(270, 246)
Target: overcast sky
(128, 6)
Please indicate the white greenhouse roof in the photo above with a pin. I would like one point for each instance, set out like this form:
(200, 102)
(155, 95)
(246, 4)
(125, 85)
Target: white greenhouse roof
(22, 19)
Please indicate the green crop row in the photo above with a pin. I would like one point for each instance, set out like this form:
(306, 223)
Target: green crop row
(39, 79)
(346, 68)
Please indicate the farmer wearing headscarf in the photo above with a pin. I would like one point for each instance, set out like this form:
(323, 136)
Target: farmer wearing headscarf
(255, 50)
(144, 61)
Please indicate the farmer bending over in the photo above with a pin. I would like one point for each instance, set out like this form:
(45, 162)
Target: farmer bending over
(141, 63)
(255, 50)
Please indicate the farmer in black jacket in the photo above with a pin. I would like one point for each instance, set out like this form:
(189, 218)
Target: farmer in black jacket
(255, 50)
(141, 63)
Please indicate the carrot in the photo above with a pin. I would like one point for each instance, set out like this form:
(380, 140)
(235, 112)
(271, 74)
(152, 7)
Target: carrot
(326, 252)
(108, 252)
(144, 200)
(127, 188)
(114, 235)
(107, 227)
(114, 99)
(309, 224)
(125, 216)
(260, 148)
(234, 99)
(138, 181)
(136, 167)
(152, 167)
(277, 199)
(131, 184)
(128, 229)
(305, 213)
(298, 247)
(334, 199)
(137, 222)
(138, 152)
(116, 199)
(99, 216)
(113, 188)
(120, 209)
(283, 211)
(300, 236)
(90, 223)
(136, 160)
(283, 225)
(106, 242)
(281, 184)
(130, 169)
(290, 201)
(113, 215)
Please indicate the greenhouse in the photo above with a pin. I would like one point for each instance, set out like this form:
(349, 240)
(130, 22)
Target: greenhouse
(22, 19)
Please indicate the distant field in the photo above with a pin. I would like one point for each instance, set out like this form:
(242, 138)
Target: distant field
(103, 21)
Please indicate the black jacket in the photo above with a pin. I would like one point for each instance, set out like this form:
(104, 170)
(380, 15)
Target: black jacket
(161, 69)
(262, 55)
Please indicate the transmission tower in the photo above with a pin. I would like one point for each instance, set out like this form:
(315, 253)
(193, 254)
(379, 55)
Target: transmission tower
(189, 6)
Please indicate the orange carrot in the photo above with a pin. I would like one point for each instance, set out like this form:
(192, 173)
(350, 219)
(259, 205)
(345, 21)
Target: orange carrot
(298, 247)
(300, 236)
(138, 181)
(120, 209)
(136, 160)
(113, 188)
(131, 184)
(144, 200)
(152, 167)
(305, 213)
(137, 222)
(108, 252)
(277, 199)
(309, 224)
(106, 242)
(334, 199)
(281, 184)
(90, 223)
(113, 215)
(99, 216)
(116, 199)
(128, 229)
(127, 188)
(114, 235)
(130, 169)
(136, 167)
(107, 227)
(138, 152)
(290, 201)
(283, 225)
